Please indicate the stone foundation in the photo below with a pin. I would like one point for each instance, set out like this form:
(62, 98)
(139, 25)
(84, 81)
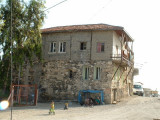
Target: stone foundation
(57, 83)
(62, 80)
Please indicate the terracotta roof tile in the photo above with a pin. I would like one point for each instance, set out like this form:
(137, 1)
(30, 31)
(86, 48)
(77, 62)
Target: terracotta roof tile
(88, 27)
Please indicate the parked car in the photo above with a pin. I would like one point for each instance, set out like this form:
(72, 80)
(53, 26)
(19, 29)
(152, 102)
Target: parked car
(138, 89)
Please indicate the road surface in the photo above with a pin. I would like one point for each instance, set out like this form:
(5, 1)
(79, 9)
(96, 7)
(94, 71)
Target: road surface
(130, 108)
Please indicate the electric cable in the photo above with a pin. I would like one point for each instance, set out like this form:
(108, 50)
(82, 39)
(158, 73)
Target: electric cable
(100, 10)
(54, 5)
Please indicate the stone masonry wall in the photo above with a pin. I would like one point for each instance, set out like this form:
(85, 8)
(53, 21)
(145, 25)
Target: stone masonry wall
(73, 41)
(122, 84)
(57, 85)
(54, 82)
(60, 76)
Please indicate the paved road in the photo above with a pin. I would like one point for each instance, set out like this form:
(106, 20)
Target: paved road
(131, 108)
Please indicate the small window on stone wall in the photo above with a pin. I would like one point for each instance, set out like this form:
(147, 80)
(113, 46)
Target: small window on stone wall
(97, 73)
(83, 45)
(62, 47)
(52, 47)
(70, 74)
(85, 73)
(100, 47)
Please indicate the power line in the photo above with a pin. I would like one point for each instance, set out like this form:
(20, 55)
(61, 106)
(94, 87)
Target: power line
(100, 10)
(47, 8)
(55, 5)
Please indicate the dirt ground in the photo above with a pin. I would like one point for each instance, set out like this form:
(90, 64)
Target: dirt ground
(131, 108)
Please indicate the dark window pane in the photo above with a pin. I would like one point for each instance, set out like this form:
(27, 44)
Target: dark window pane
(70, 74)
(85, 73)
(83, 46)
(102, 47)
(54, 48)
(60, 47)
(97, 73)
(64, 47)
(51, 50)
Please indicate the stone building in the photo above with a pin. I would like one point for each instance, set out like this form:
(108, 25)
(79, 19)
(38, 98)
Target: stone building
(84, 57)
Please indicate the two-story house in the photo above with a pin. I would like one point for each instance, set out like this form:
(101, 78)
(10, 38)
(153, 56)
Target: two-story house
(86, 57)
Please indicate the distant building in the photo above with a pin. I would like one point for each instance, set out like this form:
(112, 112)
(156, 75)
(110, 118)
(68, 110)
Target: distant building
(84, 57)
(150, 93)
(136, 71)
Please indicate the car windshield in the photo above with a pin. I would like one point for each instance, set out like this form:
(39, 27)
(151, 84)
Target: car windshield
(137, 86)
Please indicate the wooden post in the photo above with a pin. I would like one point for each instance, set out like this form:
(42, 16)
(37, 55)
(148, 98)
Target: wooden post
(10, 98)
(36, 95)
(27, 94)
(19, 96)
(115, 71)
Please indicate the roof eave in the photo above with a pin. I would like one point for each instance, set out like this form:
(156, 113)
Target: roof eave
(130, 38)
(60, 31)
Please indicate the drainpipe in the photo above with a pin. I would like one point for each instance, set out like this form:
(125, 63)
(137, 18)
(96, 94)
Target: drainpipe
(91, 47)
(70, 44)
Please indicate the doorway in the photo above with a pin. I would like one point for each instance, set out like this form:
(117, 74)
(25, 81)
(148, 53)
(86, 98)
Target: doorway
(114, 94)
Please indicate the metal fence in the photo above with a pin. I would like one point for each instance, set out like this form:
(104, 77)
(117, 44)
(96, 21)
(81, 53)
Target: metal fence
(24, 95)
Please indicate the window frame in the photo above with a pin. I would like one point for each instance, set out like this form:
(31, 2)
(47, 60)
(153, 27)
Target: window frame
(100, 47)
(52, 48)
(84, 47)
(85, 73)
(97, 73)
(62, 47)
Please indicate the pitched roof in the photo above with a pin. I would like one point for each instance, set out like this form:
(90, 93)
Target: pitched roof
(89, 27)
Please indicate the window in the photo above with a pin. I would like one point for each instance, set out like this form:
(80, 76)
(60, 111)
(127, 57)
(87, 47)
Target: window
(83, 46)
(53, 47)
(97, 73)
(100, 47)
(62, 47)
(70, 74)
(137, 86)
(85, 73)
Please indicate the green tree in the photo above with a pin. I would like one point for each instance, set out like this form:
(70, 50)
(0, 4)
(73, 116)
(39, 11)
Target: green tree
(25, 23)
